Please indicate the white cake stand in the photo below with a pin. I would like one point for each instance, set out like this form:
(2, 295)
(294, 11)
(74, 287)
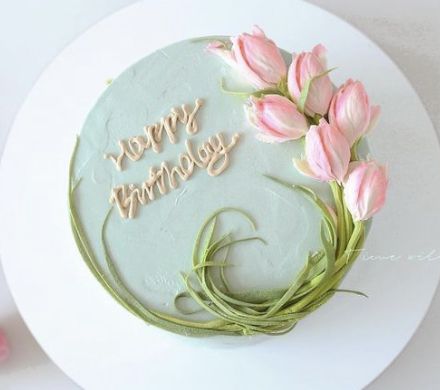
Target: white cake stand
(344, 345)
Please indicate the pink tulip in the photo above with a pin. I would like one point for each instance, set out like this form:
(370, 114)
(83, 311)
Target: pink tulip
(350, 111)
(365, 189)
(4, 347)
(305, 66)
(254, 55)
(277, 118)
(327, 153)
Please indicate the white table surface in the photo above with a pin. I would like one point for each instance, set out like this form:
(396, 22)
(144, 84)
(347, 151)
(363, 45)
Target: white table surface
(33, 32)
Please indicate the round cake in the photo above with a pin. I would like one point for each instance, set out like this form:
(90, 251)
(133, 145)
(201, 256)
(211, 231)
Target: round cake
(216, 186)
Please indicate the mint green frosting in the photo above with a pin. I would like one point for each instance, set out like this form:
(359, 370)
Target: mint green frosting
(151, 250)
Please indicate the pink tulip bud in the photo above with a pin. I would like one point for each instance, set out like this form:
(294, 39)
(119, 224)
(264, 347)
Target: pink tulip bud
(305, 66)
(255, 56)
(277, 118)
(365, 189)
(327, 153)
(4, 347)
(350, 111)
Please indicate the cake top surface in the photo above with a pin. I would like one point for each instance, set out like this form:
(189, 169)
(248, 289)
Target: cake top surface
(153, 247)
(247, 202)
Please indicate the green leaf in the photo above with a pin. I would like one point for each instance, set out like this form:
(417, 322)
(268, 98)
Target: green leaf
(273, 312)
(306, 89)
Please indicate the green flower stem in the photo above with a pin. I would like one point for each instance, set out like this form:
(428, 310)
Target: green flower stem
(272, 312)
(341, 218)
(354, 151)
(314, 120)
(282, 87)
(348, 219)
(245, 94)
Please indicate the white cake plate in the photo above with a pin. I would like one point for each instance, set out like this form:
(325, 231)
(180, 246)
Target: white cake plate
(344, 345)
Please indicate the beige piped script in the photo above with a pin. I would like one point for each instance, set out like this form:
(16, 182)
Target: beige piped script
(133, 148)
(212, 155)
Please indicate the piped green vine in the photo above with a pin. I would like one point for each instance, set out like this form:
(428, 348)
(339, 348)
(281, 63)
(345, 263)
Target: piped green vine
(271, 312)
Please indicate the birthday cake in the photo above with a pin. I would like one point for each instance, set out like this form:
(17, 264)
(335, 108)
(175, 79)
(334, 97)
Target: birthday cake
(221, 185)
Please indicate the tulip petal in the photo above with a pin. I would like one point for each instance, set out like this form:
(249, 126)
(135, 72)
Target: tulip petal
(351, 167)
(307, 76)
(365, 189)
(320, 51)
(327, 152)
(258, 32)
(350, 111)
(374, 118)
(259, 59)
(303, 167)
(219, 48)
(276, 117)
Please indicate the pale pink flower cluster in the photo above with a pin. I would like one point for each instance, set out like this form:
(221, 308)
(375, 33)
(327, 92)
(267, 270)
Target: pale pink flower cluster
(301, 101)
